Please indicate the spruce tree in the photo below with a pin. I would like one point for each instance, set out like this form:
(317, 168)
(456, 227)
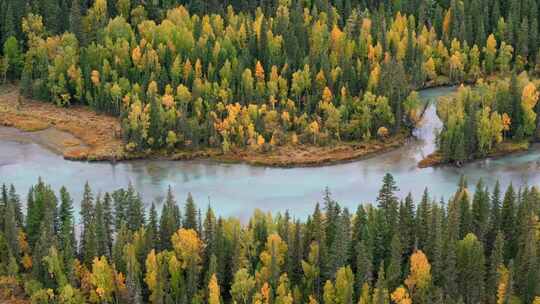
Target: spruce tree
(423, 215)
(152, 229)
(388, 206)
(480, 212)
(169, 220)
(508, 222)
(88, 245)
(108, 220)
(364, 264)
(15, 200)
(465, 216)
(102, 240)
(46, 234)
(135, 211)
(359, 232)
(407, 225)
(67, 242)
(527, 264)
(496, 260)
(394, 275)
(380, 293)
(11, 229)
(494, 217)
(190, 214)
(471, 268)
(436, 242)
(318, 235)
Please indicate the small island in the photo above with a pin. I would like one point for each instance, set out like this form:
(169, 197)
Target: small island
(494, 118)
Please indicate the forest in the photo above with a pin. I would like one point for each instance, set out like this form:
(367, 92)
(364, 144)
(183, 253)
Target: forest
(475, 120)
(476, 247)
(253, 75)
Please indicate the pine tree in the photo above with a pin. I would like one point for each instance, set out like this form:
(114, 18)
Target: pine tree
(67, 242)
(494, 217)
(123, 237)
(423, 215)
(152, 228)
(11, 229)
(169, 221)
(46, 236)
(297, 253)
(388, 206)
(102, 244)
(120, 208)
(517, 111)
(88, 245)
(359, 232)
(380, 293)
(407, 225)
(14, 199)
(190, 214)
(495, 262)
(523, 39)
(108, 221)
(135, 211)
(394, 268)
(471, 267)
(209, 237)
(450, 249)
(318, 235)
(508, 220)
(364, 264)
(528, 280)
(480, 212)
(35, 209)
(436, 242)
(465, 216)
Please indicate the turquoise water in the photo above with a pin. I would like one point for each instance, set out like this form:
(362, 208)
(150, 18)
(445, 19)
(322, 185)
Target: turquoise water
(237, 189)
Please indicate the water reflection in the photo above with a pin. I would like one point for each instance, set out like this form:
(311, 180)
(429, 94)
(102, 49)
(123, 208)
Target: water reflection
(237, 189)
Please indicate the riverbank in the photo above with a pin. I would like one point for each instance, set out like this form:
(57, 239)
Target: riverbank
(502, 149)
(78, 133)
(75, 132)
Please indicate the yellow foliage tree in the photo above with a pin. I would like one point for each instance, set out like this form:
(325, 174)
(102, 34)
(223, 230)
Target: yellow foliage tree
(374, 76)
(502, 285)
(529, 98)
(313, 129)
(382, 132)
(327, 95)
(419, 278)
(259, 71)
(272, 258)
(102, 278)
(213, 291)
(401, 296)
(429, 69)
(187, 246)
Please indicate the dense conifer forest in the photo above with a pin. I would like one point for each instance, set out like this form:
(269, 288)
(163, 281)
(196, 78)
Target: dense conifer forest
(475, 247)
(256, 75)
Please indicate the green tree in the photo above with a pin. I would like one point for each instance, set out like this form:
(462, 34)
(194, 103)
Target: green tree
(471, 268)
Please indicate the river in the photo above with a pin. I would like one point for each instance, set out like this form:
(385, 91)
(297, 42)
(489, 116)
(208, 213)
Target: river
(238, 189)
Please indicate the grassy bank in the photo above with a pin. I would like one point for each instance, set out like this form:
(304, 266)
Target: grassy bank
(92, 136)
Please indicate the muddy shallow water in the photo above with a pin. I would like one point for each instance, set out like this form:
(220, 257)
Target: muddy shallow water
(237, 189)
